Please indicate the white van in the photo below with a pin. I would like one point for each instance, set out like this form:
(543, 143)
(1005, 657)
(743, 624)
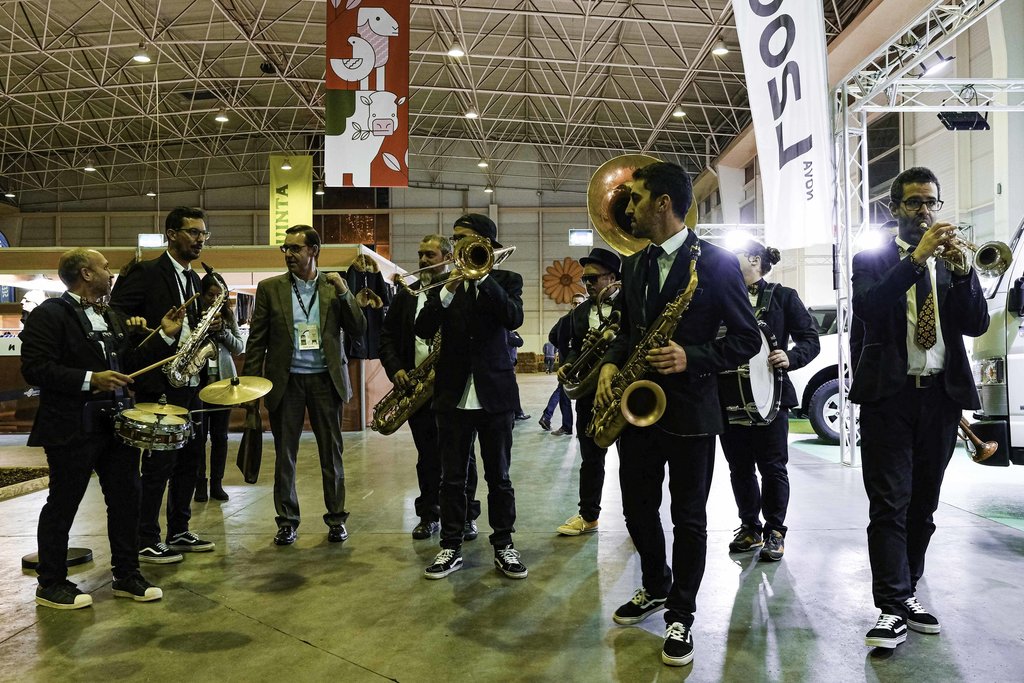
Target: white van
(817, 383)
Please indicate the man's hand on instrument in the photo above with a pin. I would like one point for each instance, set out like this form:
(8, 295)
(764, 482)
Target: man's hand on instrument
(604, 395)
(454, 280)
(108, 380)
(335, 279)
(778, 359)
(668, 360)
(562, 372)
(171, 322)
(939, 234)
(136, 324)
(402, 380)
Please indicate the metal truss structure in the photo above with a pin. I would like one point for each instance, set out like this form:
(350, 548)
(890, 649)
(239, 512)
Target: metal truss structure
(560, 85)
(887, 81)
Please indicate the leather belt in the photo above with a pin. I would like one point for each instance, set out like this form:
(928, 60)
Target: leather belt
(925, 381)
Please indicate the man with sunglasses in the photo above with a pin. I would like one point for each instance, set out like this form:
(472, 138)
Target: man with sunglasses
(912, 380)
(295, 341)
(149, 289)
(601, 269)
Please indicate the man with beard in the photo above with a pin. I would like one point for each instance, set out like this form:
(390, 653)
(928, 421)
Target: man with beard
(401, 351)
(149, 289)
(912, 380)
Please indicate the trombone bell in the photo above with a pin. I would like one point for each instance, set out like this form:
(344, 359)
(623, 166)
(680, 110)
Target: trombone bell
(472, 258)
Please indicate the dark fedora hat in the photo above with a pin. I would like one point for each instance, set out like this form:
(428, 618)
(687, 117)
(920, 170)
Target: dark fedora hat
(603, 257)
(480, 224)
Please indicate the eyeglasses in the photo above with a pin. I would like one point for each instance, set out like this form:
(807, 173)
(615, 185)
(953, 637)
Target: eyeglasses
(292, 248)
(196, 233)
(591, 279)
(916, 204)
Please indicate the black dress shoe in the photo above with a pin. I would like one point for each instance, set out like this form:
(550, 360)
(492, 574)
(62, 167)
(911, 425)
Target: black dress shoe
(522, 416)
(544, 423)
(425, 529)
(469, 532)
(285, 535)
(337, 533)
(201, 496)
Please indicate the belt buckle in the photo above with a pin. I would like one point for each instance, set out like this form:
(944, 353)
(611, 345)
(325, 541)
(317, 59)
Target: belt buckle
(923, 381)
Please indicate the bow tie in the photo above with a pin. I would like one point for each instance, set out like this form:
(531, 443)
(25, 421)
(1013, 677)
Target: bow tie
(754, 289)
(98, 306)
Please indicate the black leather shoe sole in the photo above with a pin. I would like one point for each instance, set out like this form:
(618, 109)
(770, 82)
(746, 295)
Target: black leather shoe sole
(285, 538)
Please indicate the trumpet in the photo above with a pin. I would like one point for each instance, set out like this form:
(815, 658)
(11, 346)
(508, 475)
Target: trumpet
(991, 259)
(472, 257)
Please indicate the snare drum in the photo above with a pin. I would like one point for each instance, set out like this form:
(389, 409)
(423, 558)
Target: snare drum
(152, 432)
(751, 394)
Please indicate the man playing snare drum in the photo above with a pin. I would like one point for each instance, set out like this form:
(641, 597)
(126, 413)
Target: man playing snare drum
(76, 352)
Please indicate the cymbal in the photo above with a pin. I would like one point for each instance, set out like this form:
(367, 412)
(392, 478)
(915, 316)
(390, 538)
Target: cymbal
(161, 409)
(232, 391)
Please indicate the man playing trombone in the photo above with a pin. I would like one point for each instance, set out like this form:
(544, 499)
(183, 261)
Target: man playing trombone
(474, 393)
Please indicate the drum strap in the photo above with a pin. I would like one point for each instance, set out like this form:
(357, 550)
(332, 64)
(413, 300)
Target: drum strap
(765, 300)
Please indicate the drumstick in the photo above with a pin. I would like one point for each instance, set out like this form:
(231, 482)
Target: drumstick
(154, 366)
(152, 332)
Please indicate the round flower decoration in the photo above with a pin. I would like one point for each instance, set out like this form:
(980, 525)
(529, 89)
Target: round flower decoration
(562, 280)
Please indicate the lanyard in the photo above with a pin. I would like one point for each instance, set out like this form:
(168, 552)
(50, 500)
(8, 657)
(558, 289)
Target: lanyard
(298, 296)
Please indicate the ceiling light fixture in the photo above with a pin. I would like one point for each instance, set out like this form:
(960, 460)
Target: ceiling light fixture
(679, 113)
(286, 166)
(9, 194)
(482, 163)
(720, 49)
(221, 116)
(151, 194)
(456, 50)
(488, 189)
(471, 113)
(319, 189)
(142, 55)
(88, 167)
(938, 66)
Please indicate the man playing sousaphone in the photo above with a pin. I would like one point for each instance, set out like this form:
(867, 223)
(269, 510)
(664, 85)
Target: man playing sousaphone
(600, 271)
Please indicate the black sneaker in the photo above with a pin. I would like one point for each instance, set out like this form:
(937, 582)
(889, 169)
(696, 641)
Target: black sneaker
(890, 630)
(62, 596)
(746, 538)
(639, 607)
(188, 542)
(337, 533)
(425, 529)
(159, 553)
(470, 532)
(447, 561)
(678, 647)
(285, 535)
(774, 547)
(136, 588)
(918, 618)
(508, 562)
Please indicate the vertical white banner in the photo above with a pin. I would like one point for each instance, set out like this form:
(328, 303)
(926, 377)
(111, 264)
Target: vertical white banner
(786, 64)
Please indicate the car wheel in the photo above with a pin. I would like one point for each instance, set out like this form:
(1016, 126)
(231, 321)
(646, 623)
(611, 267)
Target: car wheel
(823, 411)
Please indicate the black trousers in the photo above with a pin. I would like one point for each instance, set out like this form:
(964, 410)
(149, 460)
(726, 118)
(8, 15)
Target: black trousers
(643, 455)
(592, 462)
(316, 394)
(428, 469)
(173, 471)
(456, 430)
(767, 449)
(215, 425)
(70, 469)
(906, 443)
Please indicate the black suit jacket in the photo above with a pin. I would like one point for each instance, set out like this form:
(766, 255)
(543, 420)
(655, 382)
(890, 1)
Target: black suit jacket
(878, 343)
(474, 341)
(787, 317)
(56, 352)
(720, 298)
(150, 289)
(397, 338)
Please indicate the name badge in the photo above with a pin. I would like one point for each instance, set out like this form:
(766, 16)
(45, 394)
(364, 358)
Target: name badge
(309, 337)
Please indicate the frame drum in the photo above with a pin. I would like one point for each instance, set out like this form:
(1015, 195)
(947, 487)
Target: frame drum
(751, 394)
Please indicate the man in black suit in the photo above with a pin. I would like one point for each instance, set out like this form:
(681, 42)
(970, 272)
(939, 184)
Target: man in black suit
(76, 351)
(912, 379)
(401, 351)
(685, 368)
(474, 394)
(601, 269)
(149, 289)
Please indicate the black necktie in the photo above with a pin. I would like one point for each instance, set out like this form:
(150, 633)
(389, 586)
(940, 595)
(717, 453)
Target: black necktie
(189, 292)
(653, 282)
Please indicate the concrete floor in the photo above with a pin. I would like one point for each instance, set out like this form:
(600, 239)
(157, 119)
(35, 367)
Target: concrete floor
(362, 611)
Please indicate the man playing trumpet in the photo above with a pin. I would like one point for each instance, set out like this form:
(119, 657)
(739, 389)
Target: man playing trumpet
(912, 379)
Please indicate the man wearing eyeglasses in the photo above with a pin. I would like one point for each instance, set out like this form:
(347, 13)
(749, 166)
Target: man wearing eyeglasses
(912, 379)
(295, 341)
(149, 289)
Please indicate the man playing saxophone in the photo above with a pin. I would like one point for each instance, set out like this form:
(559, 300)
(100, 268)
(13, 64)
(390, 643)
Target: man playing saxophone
(400, 352)
(600, 271)
(685, 368)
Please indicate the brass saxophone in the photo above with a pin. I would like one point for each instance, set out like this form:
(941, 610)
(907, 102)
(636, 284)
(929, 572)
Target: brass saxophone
(639, 401)
(394, 409)
(198, 348)
(580, 378)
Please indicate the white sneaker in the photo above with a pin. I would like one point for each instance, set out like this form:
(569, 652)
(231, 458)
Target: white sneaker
(576, 525)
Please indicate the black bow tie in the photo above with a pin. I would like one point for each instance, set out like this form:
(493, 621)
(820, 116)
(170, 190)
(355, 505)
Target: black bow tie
(98, 306)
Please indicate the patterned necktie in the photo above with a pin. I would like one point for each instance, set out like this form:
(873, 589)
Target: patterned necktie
(653, 282)
(925, 335)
